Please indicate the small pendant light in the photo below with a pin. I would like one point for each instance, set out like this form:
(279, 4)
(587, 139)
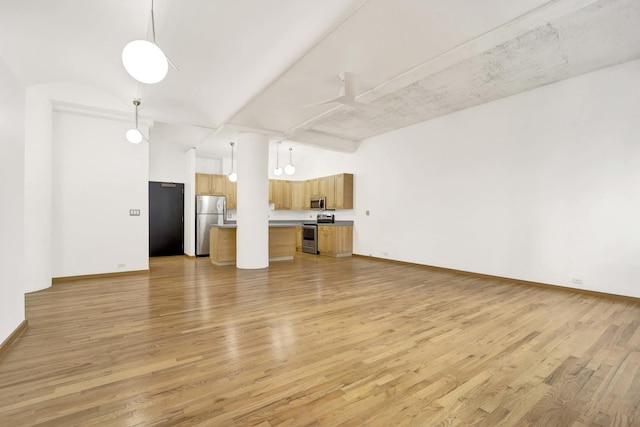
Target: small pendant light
(134, 135)
(278, 170)
(233, 177)
(290, 169)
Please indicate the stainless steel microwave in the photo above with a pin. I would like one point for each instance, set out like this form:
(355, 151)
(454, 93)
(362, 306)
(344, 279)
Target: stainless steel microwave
(318, 203)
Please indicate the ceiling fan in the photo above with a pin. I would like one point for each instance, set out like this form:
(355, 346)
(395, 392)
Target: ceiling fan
(347, 95)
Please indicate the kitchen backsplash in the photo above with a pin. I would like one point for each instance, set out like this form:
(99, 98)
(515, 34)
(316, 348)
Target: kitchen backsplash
(341, 215)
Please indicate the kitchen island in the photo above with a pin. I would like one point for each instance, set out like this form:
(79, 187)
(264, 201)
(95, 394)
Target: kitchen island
(222, 243)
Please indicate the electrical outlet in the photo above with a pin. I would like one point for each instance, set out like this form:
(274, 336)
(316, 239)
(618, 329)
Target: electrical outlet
(576, 281)
(367, 213)
(134, 212)
(122, 265)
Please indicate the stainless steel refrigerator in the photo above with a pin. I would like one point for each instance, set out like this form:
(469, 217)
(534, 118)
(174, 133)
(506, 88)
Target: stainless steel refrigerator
(209, 210)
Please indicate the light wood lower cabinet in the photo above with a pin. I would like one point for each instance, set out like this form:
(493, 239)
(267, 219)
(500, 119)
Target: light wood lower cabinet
(222, 244)
(282, 243)
(335, 240)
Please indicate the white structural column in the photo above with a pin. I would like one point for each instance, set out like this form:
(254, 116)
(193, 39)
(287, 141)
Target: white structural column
(189, 202)
(38, 199)
(252, 236)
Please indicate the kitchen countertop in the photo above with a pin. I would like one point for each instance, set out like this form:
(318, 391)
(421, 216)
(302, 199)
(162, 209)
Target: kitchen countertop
(337, 223)
(289, 223)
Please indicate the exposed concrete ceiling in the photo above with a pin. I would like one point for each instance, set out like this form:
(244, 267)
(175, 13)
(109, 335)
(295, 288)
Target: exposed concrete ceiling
(601, 34)
(253, 64)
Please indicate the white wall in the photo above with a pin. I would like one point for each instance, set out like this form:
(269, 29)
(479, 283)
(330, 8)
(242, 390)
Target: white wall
(213, 166)
(38, 154)
(97, 177)
(12, 104)
(542, 186)
(310, 162)
(166, 161)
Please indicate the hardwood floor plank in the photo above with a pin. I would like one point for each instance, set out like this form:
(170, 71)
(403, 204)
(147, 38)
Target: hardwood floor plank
(320, 341)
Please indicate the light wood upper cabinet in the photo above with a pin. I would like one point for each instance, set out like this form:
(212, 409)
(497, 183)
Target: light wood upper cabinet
(272, 190)
(312, 187)
(218, 184)
(202, 184)
(297, 196)
(287, 196)
(210, 184)
(327, 189)
(343, 191)
(284, 194)
(338, 190)
(280, 194)
(231, 193)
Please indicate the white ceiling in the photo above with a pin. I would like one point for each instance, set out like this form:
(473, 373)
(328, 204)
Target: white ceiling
(253, 64)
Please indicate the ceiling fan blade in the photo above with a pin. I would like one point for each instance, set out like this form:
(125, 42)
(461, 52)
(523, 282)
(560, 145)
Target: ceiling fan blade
(348, 93)
(349, 85)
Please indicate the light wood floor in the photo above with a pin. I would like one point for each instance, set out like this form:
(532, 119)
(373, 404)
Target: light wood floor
(320, 341)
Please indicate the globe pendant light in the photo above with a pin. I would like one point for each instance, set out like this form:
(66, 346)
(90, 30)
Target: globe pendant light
(144, 60)
(290, 169)
(134, 135)
(278, 170)
(233, 177)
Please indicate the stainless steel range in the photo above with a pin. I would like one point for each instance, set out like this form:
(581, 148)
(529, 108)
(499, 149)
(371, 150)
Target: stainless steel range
(310, 232)
(326, 218)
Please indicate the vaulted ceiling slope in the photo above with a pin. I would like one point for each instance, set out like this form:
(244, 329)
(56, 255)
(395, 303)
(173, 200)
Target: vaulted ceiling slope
(255, 64)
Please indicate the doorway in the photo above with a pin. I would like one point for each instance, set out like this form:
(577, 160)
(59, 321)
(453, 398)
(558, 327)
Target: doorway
(166, 219)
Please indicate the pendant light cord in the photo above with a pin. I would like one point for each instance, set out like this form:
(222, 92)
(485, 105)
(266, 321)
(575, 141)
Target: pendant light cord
(136, 102)
(153, 35)
(153, 25)
(232, 144)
